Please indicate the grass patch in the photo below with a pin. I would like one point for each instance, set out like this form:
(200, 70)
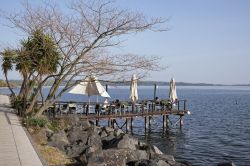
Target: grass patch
(36, 122)
(54, 156)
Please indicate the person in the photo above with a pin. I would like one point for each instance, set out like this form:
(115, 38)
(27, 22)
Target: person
(105, 103)
(157, 100)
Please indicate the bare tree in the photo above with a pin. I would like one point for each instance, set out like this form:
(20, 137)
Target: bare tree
(82, 34)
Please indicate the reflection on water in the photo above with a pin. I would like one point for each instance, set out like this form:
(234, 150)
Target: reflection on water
(218, 128)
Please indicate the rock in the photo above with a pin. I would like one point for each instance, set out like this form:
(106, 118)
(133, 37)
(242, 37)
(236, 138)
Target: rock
(226, 164)
(110, 141)
(94, 143)
(49, 133)
(169, 159)
(141, 163)
(115, 157)
(162, 163)
(127, 142)
(82, 159)
(134, 155)
(156, 150)
(75, 150)
(103, 134)
(96, 129)
(59, 140)
(78, 136)
(109, 130)
(96, 159)
(85, 124)
(74, 120)
(118, 132)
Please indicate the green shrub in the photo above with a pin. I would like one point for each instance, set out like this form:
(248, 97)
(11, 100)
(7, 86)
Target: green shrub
(54, 125)
(37, 122)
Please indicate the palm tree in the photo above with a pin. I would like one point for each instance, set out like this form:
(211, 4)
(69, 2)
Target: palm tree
(7, 65)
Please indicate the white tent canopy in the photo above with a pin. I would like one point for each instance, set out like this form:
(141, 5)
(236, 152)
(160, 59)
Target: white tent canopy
(90, 86)
(172, 91)
(133, 89)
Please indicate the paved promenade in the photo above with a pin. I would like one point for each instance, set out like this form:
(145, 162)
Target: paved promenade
(15, 147)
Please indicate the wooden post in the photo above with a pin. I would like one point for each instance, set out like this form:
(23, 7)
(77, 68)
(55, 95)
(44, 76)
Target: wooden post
(181, 121)
(163, 122)
(131, 125)
(107, 87)
(127, 126)
(146, 123)
(167, 121)
(184, 104)
(149, 121)
(155, 86)
(114, 123)
(109, 122)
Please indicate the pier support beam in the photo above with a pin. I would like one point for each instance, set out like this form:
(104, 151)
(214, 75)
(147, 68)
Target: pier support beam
(146, 123)
(181, 121)
(149, 121)
(163, 122)
(127, 126)
(109, 123)
(131, 125)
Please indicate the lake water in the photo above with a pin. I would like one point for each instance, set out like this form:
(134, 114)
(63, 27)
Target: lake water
(218, 128)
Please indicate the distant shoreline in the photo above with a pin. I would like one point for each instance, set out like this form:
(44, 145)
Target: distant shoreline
(17, 83)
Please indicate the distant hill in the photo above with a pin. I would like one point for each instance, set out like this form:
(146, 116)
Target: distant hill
(140, 83)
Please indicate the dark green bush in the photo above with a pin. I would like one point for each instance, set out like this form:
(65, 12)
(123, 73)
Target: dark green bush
(37, 122)
(54, 125)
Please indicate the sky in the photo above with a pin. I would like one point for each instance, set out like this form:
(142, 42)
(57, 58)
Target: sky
(208, 41)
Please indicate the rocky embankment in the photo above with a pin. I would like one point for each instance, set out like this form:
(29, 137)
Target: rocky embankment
(95, 146)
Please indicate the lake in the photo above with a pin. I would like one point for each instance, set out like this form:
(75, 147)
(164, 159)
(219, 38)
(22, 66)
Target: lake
(218, 128)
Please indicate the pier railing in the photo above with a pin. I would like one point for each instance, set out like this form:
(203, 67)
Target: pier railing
(115, 109)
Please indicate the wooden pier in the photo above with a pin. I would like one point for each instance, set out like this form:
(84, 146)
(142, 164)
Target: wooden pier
(128, 113)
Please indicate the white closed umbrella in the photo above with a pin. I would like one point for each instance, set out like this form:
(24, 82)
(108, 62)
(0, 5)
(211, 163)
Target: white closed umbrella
(172, 91)
(133, 89)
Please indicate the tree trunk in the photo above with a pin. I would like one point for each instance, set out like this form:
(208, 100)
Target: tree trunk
(45, 106)
(7, 81)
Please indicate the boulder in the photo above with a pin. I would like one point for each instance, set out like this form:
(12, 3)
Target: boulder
(49, 133)
(77, 136)
(103, 134)
(75, 150)
(156, 150)
(134, 155)
(94, 143)
(142, 163)
(162, 163)
(110, 141)
(59, 140)
(108, 130)
(118, 132)
(74, 120)
(169, 159)
(127, 142)
(96, 159)
(115, 157)
(82, 159)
